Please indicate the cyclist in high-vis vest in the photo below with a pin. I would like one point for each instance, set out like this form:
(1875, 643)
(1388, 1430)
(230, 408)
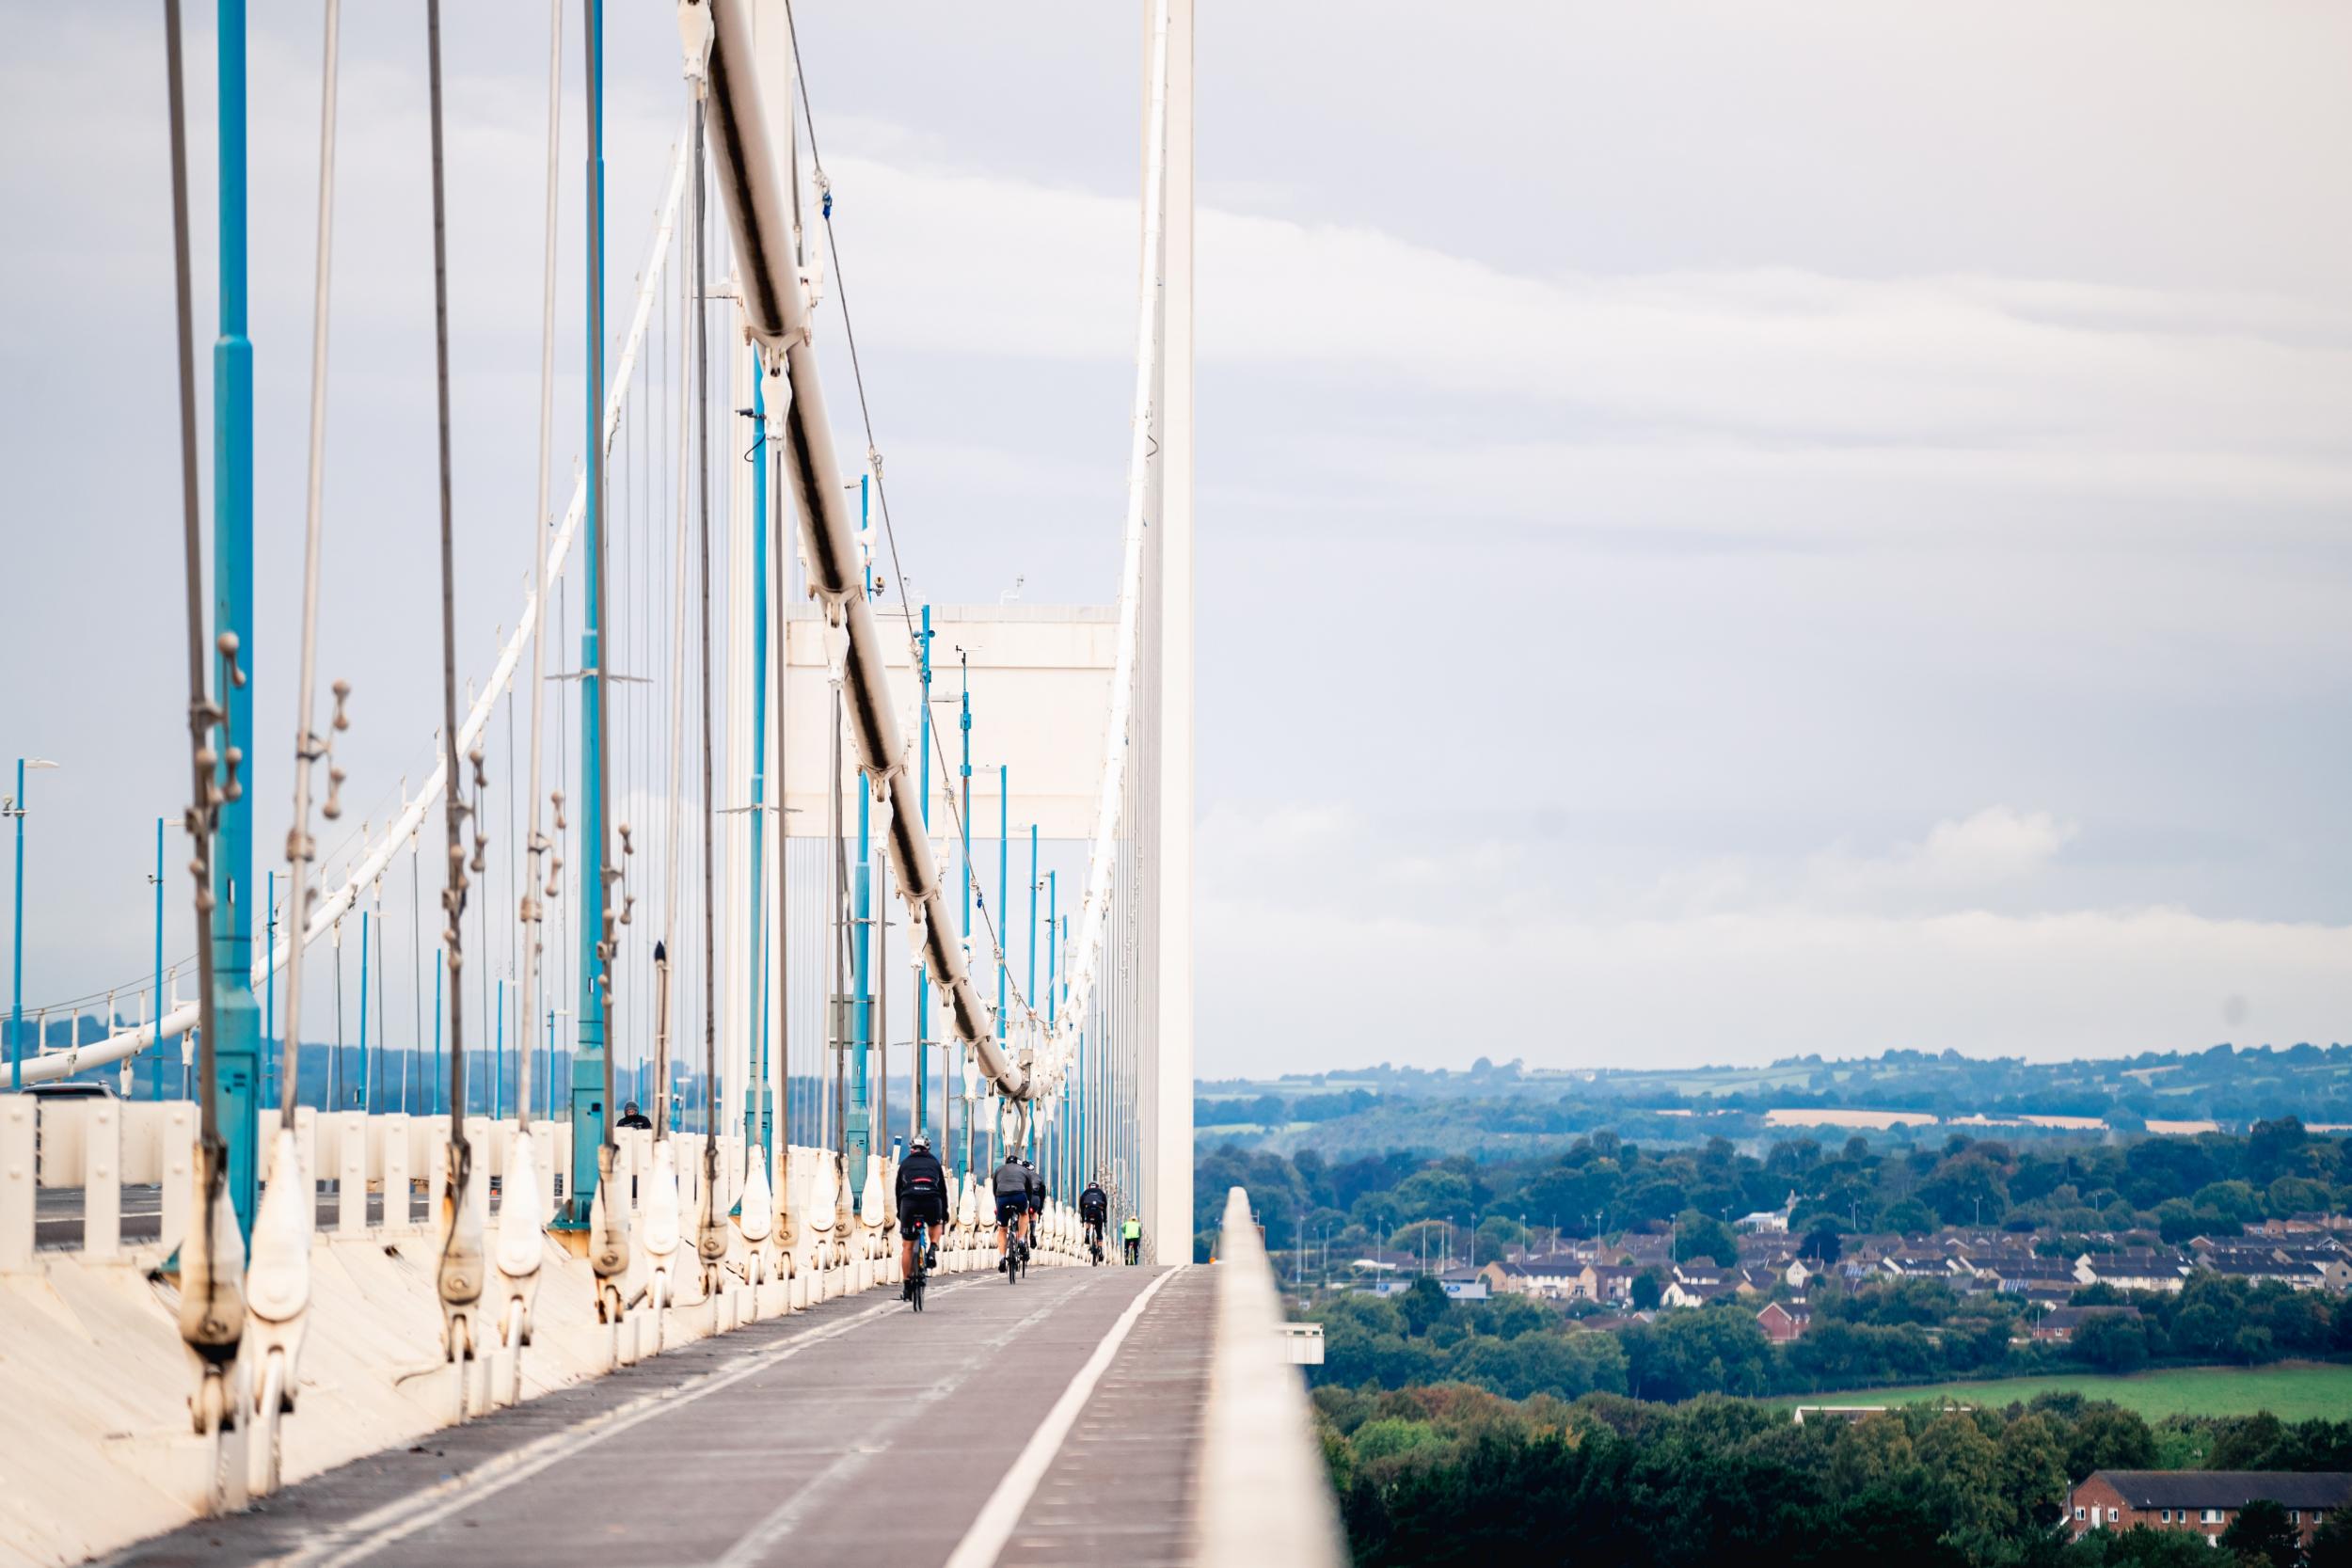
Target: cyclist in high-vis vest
(1132, 1233)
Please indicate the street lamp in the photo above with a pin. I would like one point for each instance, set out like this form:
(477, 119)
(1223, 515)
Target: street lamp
(13, 805)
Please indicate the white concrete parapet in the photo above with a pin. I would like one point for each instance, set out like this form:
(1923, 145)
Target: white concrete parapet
(1264, 1494)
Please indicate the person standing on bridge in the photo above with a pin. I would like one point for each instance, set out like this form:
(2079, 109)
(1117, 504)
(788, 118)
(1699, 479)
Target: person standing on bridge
(922, 1206)
(1132, 1233)
(1010, 1184)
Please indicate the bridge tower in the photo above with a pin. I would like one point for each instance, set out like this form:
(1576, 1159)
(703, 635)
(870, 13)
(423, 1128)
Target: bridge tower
(1166, 1072)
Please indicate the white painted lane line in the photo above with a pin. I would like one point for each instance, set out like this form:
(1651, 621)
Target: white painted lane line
(994, 1527)
(362, 1537)
(771, 1533)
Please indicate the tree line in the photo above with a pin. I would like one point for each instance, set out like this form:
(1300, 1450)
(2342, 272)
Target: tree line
(1451, 1475)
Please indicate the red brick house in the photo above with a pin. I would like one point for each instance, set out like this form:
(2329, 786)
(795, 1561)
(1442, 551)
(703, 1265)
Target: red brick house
(2202, 1501)
(1782, 1323)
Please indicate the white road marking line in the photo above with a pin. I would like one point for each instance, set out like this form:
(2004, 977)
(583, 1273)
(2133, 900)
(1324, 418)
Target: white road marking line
(770, 1532)
(363, 1537)
(993, 1526)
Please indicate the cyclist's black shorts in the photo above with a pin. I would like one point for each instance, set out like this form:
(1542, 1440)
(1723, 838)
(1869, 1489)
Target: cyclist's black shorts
(1010, 1209)
(912, 1218)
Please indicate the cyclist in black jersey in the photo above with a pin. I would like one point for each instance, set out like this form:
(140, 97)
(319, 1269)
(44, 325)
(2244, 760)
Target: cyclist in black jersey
(922, 1191)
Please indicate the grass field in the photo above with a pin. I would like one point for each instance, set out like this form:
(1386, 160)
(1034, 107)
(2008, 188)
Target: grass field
(2292, 1391)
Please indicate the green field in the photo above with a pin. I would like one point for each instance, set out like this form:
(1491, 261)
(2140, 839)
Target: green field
(2292, 1391)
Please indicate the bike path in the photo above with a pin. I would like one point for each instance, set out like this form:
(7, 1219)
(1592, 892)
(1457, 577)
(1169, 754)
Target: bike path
(857, 1432)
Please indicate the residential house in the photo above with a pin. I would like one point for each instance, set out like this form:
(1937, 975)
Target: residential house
(1560, 1276)
(2057, 1326)
(2132, 1269)
(2204, 1501)
(2037, 1279)
(1641, 1248)
(1612, 1282)
(1785, 1321)
(2263, 1269)
(1697, 1292)
(2307, 1224)
(1869, 1248)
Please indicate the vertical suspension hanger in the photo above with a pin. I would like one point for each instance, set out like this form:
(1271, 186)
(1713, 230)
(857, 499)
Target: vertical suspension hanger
(663, 1220)
(278, 1288)
(212, 1255)
(522, 1212)
(712, 1238)
(459, 1276)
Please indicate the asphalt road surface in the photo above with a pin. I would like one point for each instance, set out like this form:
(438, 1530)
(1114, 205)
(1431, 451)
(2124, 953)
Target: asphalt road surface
(1050, 1422)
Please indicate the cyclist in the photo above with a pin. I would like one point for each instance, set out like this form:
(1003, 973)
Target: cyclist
(1094, 1208)
(1010, 1184)
(1037, 1201)
(1132, 1233)
(922, 1206)
(633, 1119)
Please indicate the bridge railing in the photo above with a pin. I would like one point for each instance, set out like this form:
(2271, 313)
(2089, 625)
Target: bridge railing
(374, 1174)
(96, 1147)
(1266, 1495)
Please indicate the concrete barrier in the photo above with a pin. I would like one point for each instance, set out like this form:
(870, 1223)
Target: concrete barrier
(97, 1450)
(1264, 1494)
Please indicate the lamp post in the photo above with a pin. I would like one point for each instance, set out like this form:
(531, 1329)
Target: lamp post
(14, 806)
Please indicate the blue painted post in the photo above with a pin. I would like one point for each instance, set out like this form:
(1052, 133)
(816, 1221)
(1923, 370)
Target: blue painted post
(756, 1130)
(157, 1011)
(922, 975)
(236, 1022)
(1053, 903)
(859, 1128)
(588, 1107)
(363, 1012)
(441, 956)
(497, 1071)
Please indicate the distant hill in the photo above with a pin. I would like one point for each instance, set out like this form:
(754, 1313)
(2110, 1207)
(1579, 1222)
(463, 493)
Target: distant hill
(1492, 1110)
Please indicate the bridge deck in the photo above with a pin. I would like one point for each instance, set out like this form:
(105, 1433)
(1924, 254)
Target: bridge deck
(854, 1431)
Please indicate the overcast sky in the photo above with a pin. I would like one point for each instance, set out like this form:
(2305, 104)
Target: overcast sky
(1725, 529)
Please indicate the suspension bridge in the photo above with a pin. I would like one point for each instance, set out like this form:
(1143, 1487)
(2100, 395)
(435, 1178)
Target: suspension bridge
(734, 870)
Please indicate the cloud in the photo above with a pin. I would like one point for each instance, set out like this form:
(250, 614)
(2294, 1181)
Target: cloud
(1963, 857)
(1566, 991)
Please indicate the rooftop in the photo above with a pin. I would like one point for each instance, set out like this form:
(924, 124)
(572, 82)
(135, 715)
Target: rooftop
(2229, 1488)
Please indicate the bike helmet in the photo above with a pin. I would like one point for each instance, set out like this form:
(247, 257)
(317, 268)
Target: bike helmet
(921, 1140)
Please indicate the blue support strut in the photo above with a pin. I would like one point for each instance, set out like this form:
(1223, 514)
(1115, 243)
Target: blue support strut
(236, 1022)
(587, 1076)
(758, 1131)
